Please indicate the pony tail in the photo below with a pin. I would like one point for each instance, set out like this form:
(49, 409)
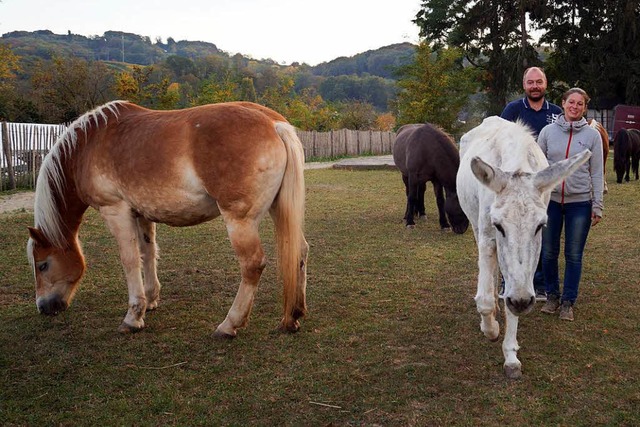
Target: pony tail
(289, 208)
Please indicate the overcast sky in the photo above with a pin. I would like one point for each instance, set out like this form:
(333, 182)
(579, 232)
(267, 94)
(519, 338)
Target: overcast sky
(282, 30)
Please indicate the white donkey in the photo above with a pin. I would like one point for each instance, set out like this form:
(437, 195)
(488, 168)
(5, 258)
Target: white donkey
(504, 182)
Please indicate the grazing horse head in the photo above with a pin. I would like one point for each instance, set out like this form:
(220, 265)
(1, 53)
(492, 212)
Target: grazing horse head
(504, 184)
(458, 220)
(57, 272)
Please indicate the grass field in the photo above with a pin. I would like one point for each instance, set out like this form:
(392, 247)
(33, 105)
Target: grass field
(392, 337)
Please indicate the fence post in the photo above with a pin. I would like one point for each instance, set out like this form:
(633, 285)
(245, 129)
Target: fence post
(6, 148)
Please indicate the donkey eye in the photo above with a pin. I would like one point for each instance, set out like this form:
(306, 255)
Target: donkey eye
(499, 228)
(43, 266)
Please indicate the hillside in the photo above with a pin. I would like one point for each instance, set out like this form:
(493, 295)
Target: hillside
(141, 50)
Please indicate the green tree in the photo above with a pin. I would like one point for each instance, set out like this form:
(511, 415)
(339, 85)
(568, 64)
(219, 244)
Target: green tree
(435, 88)
(217, 89)
(591, 39)
(492, 34)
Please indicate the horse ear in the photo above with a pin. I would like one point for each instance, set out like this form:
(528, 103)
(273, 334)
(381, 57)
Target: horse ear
(38, 237)
(547, 178)
(489, 176)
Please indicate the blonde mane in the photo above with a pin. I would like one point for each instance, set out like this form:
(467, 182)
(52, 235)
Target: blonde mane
(51, 179)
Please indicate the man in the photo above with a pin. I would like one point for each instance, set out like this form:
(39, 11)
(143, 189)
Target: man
(536, 112)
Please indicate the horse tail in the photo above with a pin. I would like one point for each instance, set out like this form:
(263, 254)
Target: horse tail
(289, 208)
(621, 148)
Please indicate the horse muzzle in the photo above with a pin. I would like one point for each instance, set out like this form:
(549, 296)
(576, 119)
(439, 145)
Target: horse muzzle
(51, 305)
(520, 306)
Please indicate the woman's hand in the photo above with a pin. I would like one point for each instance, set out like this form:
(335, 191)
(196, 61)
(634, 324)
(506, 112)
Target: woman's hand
(595, 219)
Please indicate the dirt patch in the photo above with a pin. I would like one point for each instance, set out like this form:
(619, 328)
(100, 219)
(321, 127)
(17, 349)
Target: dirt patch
(16, 202)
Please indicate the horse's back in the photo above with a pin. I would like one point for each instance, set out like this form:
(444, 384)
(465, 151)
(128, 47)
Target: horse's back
(634, 136)
(181, 166)
(421, 148)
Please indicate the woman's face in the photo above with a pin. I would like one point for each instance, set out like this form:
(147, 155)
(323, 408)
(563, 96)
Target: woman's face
(574, 107)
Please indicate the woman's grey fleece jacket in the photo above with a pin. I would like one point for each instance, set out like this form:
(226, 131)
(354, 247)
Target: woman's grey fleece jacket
(561, 140)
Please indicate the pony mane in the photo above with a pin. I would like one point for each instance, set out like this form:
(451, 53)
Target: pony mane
(51, 179)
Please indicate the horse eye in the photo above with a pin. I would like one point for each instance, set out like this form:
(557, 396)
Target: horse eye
(500, 229)
(43, 266)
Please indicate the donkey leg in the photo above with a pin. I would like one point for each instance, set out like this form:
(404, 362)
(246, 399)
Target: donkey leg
(149, 251)
(439, 192)
(510, 347)
(245, 240)
(123, 226)
(486, 296)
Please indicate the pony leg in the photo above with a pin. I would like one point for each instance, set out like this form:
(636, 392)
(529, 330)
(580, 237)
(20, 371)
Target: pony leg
(408, 214)
(421, 209)
(123, 226)
(245, 240)
(149, 251)
(485, 298)
(439, 192)
(510, 347)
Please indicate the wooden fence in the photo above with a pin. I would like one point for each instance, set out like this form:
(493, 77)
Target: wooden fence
(345, 142)
(25, 145)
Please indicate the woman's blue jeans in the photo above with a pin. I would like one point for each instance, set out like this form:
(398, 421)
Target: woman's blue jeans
(576, 219)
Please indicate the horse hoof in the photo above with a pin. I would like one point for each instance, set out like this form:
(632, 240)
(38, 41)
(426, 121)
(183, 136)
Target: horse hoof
(446, 229)
(411, 226)
(513, 372)
(220, 335)
(291, 328)
(125, 328)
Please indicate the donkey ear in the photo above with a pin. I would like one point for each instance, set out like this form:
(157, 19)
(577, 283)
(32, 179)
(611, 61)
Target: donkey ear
(494, 178)
(547, 178)
(38, 237)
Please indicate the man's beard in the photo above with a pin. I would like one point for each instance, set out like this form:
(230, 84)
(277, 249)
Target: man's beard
(535, 98)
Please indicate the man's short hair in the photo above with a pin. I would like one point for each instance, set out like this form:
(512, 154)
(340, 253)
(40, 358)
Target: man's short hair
(524, 76)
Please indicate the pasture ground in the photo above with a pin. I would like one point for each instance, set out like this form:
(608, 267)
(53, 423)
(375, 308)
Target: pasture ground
(392, 336)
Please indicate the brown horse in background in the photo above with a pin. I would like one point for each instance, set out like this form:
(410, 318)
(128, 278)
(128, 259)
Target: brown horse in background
(423, 153)
(604, 135)
(626, 153)
(138, 167)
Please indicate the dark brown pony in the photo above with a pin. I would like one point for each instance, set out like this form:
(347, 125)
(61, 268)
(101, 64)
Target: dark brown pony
(425, 153)
(626, 153)
(604, 136)
(138, 167)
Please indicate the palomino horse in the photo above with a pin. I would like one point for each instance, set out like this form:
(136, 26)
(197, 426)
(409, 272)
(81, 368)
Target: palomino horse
(138, 167)
(504, 185)
(604, 136)
(626, 153)
(424, 153)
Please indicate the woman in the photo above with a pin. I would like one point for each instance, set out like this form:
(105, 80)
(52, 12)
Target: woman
(576, 203)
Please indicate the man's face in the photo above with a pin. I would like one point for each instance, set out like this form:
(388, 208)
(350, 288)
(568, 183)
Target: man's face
(535, 85)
